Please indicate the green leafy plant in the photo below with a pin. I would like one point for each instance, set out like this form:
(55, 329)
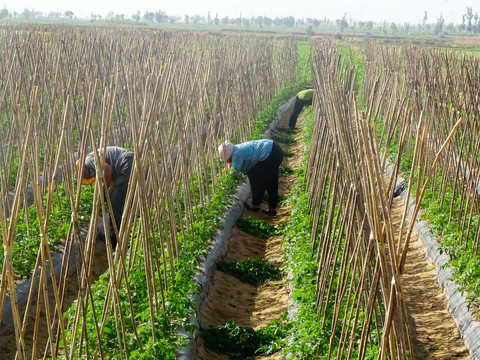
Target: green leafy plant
(258, 228)
(306, 333)
(287, 130)
(284, 140)
(288, 153)
(256, 271)
(286, 171)
(244, 342)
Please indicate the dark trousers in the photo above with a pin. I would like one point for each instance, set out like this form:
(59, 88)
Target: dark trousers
(264, 177)
(118, 195)
(297, 109)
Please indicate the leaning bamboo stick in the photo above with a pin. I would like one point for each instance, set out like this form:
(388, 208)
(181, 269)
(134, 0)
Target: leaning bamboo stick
(422, 193)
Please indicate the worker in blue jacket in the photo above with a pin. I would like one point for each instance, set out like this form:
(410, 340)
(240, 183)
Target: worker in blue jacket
(260, 160)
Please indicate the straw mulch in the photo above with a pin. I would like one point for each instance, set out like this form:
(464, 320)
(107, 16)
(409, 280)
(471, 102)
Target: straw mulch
(434, 333)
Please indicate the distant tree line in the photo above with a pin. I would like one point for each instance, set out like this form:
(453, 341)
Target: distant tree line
(470, 21)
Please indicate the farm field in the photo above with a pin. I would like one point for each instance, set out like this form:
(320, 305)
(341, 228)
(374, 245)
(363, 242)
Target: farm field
(349, 275)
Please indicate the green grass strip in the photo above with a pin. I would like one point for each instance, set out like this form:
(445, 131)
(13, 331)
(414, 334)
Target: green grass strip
(284, 140)
(243, 343)
(256, 271)
(254, 227)
(286, 171)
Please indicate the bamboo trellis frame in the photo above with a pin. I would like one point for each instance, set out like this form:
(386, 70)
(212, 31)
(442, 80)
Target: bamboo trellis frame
(357, 244)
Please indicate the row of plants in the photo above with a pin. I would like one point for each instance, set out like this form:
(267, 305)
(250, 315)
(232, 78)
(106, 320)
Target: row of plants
(305, 329)
(451, 222)
(178, 305)
(459, 239)
(341, 245)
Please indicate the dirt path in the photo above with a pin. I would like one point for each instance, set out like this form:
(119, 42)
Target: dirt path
(434, 332)
(229, 298)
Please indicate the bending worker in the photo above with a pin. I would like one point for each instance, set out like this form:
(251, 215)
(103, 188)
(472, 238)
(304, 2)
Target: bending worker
(118, 166)
(302, 99)
(260, 160)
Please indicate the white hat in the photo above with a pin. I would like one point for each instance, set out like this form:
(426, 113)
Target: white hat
(225, 150)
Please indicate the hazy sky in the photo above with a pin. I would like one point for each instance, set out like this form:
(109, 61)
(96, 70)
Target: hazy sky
(398, 11)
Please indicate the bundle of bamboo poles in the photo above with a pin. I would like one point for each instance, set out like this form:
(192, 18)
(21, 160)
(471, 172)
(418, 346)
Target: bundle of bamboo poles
(69, 90)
